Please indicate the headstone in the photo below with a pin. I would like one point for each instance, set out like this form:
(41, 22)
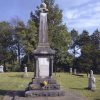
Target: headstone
(70, 70)
(25, 72)
(74, 71)
(91, 81)
(25, 69)
(1, 69)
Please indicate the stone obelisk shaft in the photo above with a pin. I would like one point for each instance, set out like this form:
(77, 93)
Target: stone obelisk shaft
(43, 30)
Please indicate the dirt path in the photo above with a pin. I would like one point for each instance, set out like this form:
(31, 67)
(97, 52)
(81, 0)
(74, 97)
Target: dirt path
(19, 95)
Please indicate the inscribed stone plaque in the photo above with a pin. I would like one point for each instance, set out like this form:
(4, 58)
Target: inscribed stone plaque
(43, 67)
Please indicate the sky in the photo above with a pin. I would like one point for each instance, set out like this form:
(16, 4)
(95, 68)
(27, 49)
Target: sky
(78, 14)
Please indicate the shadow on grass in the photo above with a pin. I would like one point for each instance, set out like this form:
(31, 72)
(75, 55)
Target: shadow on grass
(21, 76)
(17, 76)
(96, 99)
(3, 92)
(12, 93)
(79, 88)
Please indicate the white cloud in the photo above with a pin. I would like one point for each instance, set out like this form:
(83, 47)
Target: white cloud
(77, 12)
(71, 14)
(82, 14)
(70, 3)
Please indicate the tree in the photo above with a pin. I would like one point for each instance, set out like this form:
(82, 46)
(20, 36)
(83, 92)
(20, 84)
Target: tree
(74, 36)
(90, 52)
(18, 36)
(24, 38)
(5, 42)
(95, 54)
(73, 48)
(59, 37)
(84, 43)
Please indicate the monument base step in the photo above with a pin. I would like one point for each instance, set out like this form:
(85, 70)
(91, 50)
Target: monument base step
(39, 93)
(48, 87)
(39, 80)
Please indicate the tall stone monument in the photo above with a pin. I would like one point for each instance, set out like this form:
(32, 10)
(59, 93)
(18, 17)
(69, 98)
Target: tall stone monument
(43, 83)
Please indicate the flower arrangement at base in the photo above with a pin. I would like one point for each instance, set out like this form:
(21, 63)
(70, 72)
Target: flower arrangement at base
(44, 83)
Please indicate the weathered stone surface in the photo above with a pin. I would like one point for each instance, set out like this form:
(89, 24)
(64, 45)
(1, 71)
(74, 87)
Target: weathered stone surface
(34, 87)
(43, 56)
(43, 44)
(38, 80)
(48, 87)
(71, 71)
(25, 70)
(43, 67)
(69, 95)
(91, 81)
(51, 89)
(51, 93)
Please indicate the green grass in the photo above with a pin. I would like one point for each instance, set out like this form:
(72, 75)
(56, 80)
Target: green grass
(79, 85)
(14, 81)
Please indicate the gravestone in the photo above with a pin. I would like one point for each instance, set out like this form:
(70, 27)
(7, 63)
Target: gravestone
(1, 69)
(74, 71)
(43, 83)
(25, 69)
(25, 72)
(71, 71)
(91, 81)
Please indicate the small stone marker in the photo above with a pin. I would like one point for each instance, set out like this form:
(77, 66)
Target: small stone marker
(91, 81)
(25, 69)
(70, 70)
(74, 71)
(1, 69)
(25, 72)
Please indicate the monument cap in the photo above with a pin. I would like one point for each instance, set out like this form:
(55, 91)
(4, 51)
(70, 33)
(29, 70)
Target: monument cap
(43, 7)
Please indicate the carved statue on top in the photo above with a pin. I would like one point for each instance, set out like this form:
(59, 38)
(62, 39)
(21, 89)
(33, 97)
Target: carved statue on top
(43, 7)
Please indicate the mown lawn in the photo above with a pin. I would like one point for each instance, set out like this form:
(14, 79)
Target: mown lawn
(79, 85)
(15, 81)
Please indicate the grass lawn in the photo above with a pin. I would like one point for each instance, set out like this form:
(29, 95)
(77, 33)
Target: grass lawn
(15, 81)
(79, 85)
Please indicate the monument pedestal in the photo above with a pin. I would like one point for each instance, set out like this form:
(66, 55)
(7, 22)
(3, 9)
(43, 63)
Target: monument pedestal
(51, 89)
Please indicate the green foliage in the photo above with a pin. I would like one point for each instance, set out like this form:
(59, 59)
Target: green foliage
(18, 39)
(24, 39)
(5, 42)
(90, 53)
(79, 85)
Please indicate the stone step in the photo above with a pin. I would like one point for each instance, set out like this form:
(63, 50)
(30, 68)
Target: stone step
(48, 87)
(39, 80)
(38, 93)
